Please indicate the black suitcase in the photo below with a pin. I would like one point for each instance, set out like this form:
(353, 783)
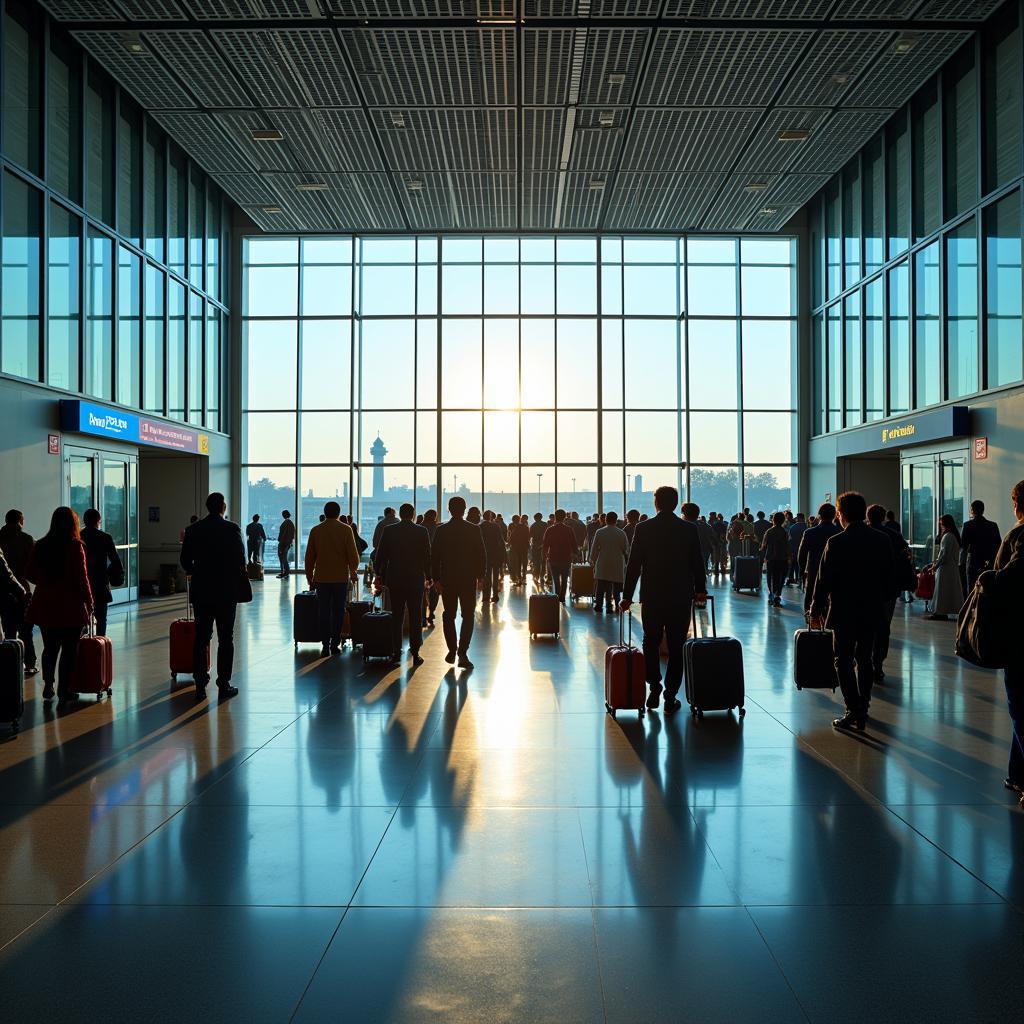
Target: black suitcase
(544, 614)
(357, 610)
(746, 573)
(713, 668)
(378, 632)
(814, 666)
(306, 618)
(12, 682)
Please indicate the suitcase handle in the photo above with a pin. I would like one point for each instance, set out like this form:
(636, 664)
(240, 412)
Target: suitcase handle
(693, 611)
(188, 597)
(385, 605)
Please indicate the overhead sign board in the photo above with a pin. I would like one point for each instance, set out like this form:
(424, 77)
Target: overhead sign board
(935, 425)
(83, 417)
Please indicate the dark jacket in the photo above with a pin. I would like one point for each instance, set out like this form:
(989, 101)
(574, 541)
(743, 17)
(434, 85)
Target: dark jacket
(796, 534)
(378, 530)
(812, 547)
(706, 536)
(458, 557)
(775, 544)
(559, 543)
(665, 557)
(254, 533)
(519, 537)
(899, 579)
(403, 556)
(62, 600)
(16, 546)
(494, 542)
(537, 531)
(103, 564)
(1009, 567)
(854, 578)
(214, 556)
(980, 541)
(761, 527)
(11, 590)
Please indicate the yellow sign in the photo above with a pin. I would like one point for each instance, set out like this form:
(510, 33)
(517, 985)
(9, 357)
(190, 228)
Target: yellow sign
(898, 433)
(204, 444)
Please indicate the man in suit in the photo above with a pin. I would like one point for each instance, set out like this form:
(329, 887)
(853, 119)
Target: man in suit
(382, 524)
(285, 540)
(537, 529)
(403, 563)
(457, 561)
(812, 547)
(16, 546)
(902, 569)
(1006, 578)
(850, 595)
(559, 545)
(979, 544)
(102, 565)
(331, 562)
(796, 534)
(665, 557)
(214, 556)
(255, 538)
(579, 531)
(494, 545)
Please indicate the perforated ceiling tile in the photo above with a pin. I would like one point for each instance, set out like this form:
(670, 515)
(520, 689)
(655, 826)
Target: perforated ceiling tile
(543, 129)
(194, 59)
(657, 202)
(733, 203)
(955, 10)
(247, 189)
(593, 8)
(540, 192)
(480, 139)
(795, 10)
(413, 9)
(766, 153)
(713, 67)
(581, 202)
(83, 10)
(269, 10)
(202, 136)
(547, 64)
(687, 140)
(771, 218)
(289, 67)
(459, 201)
(895, 76)
(831, 66)
(611, 67)
(895, 10)
(153, 10)
(369, 202)
(434, 67)
(838, 139)
(330, 140)
(931, 10)
(794, 189)
(140, 73)
(239, 125)
(597, 145)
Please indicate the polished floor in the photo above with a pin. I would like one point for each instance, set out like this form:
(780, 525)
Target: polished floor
(359, 843)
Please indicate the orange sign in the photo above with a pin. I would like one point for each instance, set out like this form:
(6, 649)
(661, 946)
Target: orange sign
(981, 448)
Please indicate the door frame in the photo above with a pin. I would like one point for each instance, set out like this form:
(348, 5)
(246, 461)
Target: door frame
(935, 457)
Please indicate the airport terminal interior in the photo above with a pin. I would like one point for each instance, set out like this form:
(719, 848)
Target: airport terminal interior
(538, 255)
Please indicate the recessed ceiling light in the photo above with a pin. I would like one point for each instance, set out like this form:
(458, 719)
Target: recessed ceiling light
(755, 186)
(840, 78)
(414, 185)
(266, 135)
(495, 21)
(767, 211)
(904, 44)
(271, 209)
(616, 78)
(793, 134)
(311, 186)
(398, 120)
(132, 42)
(597, 184)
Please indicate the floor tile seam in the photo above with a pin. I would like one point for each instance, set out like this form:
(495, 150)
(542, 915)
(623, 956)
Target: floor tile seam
(316, 968)
(50, 909)
(778, 965)
(372, 857)
(593, 920)
(549, 906)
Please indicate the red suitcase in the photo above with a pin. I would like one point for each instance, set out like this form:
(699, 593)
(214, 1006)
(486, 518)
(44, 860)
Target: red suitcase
(625, 685)
(94, 665)
(182, 637)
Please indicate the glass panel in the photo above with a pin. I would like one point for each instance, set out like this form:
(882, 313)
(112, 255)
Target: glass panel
(426, 364)
(19, 302)
(64, 305)
(653, 437)
(711, 290)
(874, 207)
(851, 223)
(461, 436)
(577, 363)
(874, 350)
(175, 350)
(927, 349)
(155, 191)
(501, 437)
(129, 326)
(99, 147)
(153, 346)
(384, 291)
(922, 512)
(924, 113)
(770, 489)
(195, 358)
(462, 359)
(714, 437)
(577, 290)
(768, 437)
(537, 360)
(897, 200)
(115, 503)
(326, 437)
(271, 290)
(389, 364)
(768, 361)
(817, 246)
(501, 289)
(22, 102)
(326, 365)
(129, 172)
(467, 482)
(270, 347)
(715, 489)
(196, 221)
(954, 489)
(266, 492)
(213, 368)
(501, 364)
(960, 113)
(820, 371)
(767, 291)
(537, 289)
(64, 118)
(269, 436)
(899, 340)
(213, 232)
(461, 289)
(80, 483)
(649, 291)
(962, 310)
(177, 216)
(1002, 101)
(99, 332)
(854, 361)
(833, 242)
(537, 437)
(711, 364)
(835, 367)
(1005, 360)
(577, 436)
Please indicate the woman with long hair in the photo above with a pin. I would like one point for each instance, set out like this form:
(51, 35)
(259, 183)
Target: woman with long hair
(430, 524)
(949, 592)
(61, 604)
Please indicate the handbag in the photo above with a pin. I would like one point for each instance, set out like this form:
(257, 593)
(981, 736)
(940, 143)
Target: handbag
(984, 635)
(243, 588)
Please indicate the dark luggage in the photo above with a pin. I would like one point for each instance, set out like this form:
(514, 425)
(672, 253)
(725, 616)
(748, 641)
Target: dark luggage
(377, 631)
(254, 570)
(814, 665)
(94, 665)
(625, 684)
(985, 630)
(352, 628)
(581, 582)
(182, 637)
(713, 667)
(746, 573)
(306, 618)
(545, 615)
(12, 682)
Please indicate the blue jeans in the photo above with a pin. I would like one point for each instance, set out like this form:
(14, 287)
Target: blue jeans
(331, 599)
(1013, 676)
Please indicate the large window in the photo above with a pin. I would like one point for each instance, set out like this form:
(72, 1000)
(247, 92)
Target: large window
(20, 280)
(962, 310)
(1005, 361)
(64, 305)
(22, 85)
(520, 373)
(99, 322)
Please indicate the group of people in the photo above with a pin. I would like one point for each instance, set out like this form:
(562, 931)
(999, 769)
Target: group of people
(61, 583)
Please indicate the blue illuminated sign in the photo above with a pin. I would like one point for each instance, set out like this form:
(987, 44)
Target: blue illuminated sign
(82, 417)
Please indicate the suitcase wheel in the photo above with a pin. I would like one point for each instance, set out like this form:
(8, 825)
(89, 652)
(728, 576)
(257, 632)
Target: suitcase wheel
(110, 691)
(743, 711)
(174, 677)
(640, 712)
(16, 725)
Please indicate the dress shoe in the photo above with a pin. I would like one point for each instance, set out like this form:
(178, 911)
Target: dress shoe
(225, 692)
(450, 657)
(325, 651)
(849, 722)
(1015, 787)
(30, 670)
(672, 705)
(464, 662)
(335, 648)
(654, 697)
(417, 658)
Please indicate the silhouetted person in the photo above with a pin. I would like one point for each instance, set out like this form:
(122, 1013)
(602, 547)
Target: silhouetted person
(61, 603)
(213, 555)
(579, 531)
(949, 592)
(812, 547)
(980, 541)
(494, 545)
(849, 598)
(103, 565)
(537, 529)
(255, 538)
(389, 520)
(559, 544)
(457, 563)
(608, 553)
(665, 558)
(285, 540)
(796, 534)
(775, 555)
(430, 525)
(1006, 580)
(876, 520)
(403, 562)
(519, 547)
(17, 546)
(331, 562)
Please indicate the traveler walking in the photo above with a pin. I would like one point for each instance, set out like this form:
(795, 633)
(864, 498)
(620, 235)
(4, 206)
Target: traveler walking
(61, 604)
(332, 561)
(537, 529)
(403, 563)
(255, 538)
(519, 548)
(609, 551)
(103, 566)
(949, 594)
(665, 558)
(494, 545)
(16, 546)
(720, 530)
(761, 527)
(901, 566)
(775, 555)
(632, 518)
(457, 560)
(285, 540)
(849, 596)
(432, 596)
(389, 519)
(980, 542)
(812, 547)
(212, 554)
(796, 534)
(559, 544)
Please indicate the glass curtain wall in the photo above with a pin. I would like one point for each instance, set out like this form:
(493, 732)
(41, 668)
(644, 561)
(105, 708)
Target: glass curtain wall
(942, 185)
(521, 373)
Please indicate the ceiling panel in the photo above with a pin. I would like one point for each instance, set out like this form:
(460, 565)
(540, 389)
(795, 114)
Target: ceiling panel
(543, 131)
(153, 10)
(609, 54)
(471, 201)
(734, 202)
(204, 134)
(267, 10)
(794, 10)
(713, 67)
(84, 10)
(834, 62)
(239, 125)
(594, 145)
(540, 194)
(330, 140)
(593, 8)
(838, 139)
(477, 139)
(931, 10)
(424, 9)
(547, 59)
(658, 202)
(687, 140)
(765, 152)
(196, 60)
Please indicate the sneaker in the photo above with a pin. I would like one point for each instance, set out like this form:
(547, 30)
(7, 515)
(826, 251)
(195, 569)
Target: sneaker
(654, 697)
(849, 722)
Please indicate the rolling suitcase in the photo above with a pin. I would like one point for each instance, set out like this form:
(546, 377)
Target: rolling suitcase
(12, 682)
(746, 573)
(814, 666)
(352, 628)
(306, 618)
(544, 615)
(254, 570)
(182, 637)
(581, 581)
(378, 639)
(625, 685)
(713, 668)
(94, 664)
